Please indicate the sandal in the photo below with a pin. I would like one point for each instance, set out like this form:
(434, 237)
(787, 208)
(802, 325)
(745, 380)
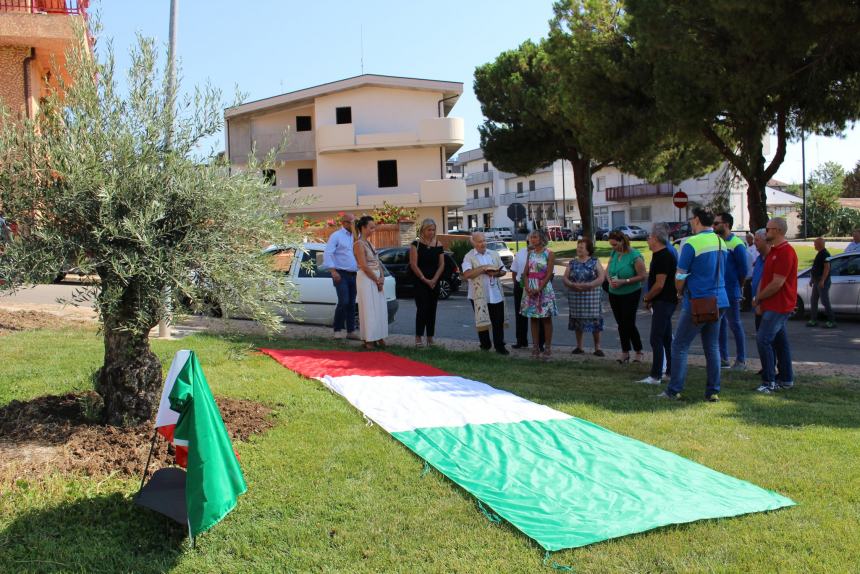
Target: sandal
(380, 343)
(536, 353)
(624, 360)
(577, 351)
(599, 353)
(367, 346)
(547, 354)
(640, 356)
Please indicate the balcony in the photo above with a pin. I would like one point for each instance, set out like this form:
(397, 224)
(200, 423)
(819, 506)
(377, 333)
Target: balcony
(479, 177)
(534, 196)
(67, 7)
(443, 192)
(319, 198)
(479, 203)
(431, 132)
(640, 191)
(42, 24)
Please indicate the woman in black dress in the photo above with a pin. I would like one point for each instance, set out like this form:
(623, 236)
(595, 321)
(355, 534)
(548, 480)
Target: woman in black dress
(427, 262)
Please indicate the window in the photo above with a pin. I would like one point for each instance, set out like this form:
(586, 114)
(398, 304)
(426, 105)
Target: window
(519, 187)
(486, 167)
(270, 176)
(601, 184)
(640, 213)
(387, 172)
(475, 193)
(397, 256)
(602, 214)
(303, 123)
(312, 265)
(531, 185)
(282, 260)
(845, 267)
(486, 192)
(306, 177)
(343, 115)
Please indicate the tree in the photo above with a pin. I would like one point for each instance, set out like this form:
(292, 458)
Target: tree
(823, 210)
(732, 72)
(851, 186)
(94, 184)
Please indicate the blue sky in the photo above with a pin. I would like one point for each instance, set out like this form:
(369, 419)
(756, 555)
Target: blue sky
(271, 47)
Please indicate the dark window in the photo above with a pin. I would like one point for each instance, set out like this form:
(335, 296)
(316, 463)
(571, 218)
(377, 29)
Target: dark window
(387, 172)
(269, 176)
(531, 185)
(486, 166)
(343, 115)
(475, 194)
(306, 177)
(312, 266)
(388, 257)
(303, 123)
(486, 192)
(519, 187)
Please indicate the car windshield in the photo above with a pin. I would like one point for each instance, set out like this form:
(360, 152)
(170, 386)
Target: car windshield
(496, 245)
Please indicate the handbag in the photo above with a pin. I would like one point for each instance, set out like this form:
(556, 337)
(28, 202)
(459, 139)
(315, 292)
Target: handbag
(704, 309)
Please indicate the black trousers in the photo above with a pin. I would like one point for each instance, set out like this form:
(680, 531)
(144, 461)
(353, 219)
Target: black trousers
(497, 319)
(624, 310)
(426, 300)
(522, 323)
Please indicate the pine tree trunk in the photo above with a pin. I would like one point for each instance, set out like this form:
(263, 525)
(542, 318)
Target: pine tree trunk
(582, 184)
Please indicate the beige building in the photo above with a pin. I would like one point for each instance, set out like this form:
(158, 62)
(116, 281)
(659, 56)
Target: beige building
(33, 34)
(353, 144)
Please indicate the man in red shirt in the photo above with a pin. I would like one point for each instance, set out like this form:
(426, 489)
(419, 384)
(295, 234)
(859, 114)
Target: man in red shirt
(775, 301)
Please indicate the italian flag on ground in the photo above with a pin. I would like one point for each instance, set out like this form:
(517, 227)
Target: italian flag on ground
(189, 418)
(560, 480)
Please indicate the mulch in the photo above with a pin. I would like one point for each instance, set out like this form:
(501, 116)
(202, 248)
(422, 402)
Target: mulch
(12, 321)
(52, 433)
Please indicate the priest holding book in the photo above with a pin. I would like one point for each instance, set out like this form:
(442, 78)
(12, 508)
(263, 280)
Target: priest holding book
(483, 268)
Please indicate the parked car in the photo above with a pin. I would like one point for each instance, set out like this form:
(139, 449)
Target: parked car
(678, 229)
(601, 233)
(558, 233)
(633, 232)
(459, 232)
(504, 252)
(503, 233)
(844, 286)
(489, 232)
(396, 261)
(317, 298)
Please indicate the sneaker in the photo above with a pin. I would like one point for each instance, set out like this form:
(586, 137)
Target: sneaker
(780, 385)
(725, 364)
(649, 380)
(599, 353)
(340, 335)
(830, 325)
(353, 336)
(577, 351)
(715, 398)
(812, 323)
(739, 366)
(666, 378)
(667, 395)
(766, 388)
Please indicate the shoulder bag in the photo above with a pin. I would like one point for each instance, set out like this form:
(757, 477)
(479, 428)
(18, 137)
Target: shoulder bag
(704, 309)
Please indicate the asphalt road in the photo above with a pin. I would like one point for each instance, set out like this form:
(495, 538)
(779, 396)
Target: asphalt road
(454, 320)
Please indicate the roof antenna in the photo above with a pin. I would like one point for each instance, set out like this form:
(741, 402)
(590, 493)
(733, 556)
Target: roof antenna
(362, 49)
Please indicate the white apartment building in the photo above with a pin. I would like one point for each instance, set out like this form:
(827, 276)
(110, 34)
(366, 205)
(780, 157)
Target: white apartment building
(356, 143)
(619, 198)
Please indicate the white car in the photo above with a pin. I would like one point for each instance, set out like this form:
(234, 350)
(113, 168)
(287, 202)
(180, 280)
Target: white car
(503, 233)
(317, 297)
(844, 286)
(504, 252)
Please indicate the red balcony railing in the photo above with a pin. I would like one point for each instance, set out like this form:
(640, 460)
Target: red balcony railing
(639, 190)
(70, 7)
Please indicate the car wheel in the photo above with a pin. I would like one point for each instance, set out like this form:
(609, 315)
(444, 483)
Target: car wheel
(444, 289)
(798, 312)
(59, 277)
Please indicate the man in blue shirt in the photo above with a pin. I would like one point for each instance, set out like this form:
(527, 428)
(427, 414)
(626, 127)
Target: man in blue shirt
(340, 259)
(737, 269)
(700, 274)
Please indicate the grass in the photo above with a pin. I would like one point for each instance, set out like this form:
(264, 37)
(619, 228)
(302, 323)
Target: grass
(805, 254)
(330, 494)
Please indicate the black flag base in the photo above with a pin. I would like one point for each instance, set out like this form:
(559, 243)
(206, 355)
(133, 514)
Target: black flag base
(165, 494)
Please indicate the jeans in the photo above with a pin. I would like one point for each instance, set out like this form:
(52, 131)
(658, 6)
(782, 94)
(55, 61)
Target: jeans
(824, 293)
(661, 336)
(624, 310)
(732, 320)
(426, 300)
(345, 310)
(772, 339)
(684, 335)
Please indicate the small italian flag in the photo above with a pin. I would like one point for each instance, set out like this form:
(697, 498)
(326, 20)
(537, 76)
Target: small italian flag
(189, 418)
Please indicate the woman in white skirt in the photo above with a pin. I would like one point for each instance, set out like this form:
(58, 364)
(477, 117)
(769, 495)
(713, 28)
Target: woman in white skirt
(372, 308)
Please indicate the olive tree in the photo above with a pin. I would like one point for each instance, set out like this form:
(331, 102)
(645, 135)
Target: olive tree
(109, 180)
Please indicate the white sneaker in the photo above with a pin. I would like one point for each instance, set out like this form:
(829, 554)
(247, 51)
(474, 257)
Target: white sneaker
(666, 378)
(340, 334)
(353, 336)
(649, 380)
(766, 388)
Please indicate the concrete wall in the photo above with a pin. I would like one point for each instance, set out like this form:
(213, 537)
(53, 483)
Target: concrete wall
(12, 78)
(413, 166)
(379, 110)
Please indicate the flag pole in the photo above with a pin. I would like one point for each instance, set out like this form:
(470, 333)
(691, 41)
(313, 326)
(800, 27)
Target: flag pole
(148, 460)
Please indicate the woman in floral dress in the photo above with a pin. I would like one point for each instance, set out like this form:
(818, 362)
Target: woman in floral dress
(584, 277)
(538, 296)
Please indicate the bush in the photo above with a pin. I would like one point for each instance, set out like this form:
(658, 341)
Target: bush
(460, 248)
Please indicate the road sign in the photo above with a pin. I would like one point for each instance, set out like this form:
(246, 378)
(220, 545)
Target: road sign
(680, 199)
(516, 212)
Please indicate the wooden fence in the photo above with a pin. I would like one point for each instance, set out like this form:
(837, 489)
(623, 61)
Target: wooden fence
(385, 235)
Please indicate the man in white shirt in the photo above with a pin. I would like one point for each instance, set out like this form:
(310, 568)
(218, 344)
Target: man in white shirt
(483, 267)
(522, 323)
(854, 246)
(339, 258)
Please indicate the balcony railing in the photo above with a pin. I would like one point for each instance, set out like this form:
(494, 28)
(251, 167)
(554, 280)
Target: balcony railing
(639, 191)
(69, 7)
(535, 195)
(479, 202)
(479, 177)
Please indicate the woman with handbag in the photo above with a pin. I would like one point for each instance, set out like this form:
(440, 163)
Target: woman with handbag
(426, 262)
(626, 271)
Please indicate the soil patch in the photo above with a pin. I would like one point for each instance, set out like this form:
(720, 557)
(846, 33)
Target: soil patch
(52, 433)
(11, 321)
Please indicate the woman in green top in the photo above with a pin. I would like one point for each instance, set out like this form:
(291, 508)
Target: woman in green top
(626, 272)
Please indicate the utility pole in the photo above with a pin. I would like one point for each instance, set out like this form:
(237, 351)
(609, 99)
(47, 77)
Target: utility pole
(803, 175)
(164, 330)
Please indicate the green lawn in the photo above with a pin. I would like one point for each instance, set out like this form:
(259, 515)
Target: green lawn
(327, 493)
(602, 250)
